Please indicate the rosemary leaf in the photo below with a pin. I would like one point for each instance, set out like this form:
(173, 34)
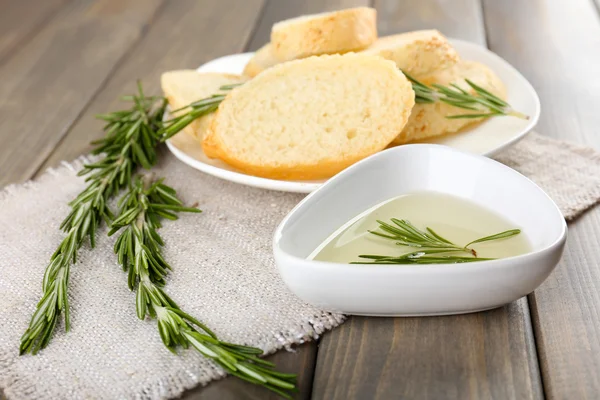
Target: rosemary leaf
(501, 235)
(194, 111)
(482, 100)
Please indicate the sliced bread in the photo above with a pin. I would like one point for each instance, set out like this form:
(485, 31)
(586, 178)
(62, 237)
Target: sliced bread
(428, 120)
(262, 59)
(419, 53)
(183, 87)
(328, 33)
(311, 118)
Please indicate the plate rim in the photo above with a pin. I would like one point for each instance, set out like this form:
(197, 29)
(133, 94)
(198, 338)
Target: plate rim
(240, 177)
(308, 187)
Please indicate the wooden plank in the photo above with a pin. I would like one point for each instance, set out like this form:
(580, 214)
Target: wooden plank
(277, 10)
(460, 19)
(566, 316)
(483, 355)
(476, 356)
(44, 87)
(559, 55)
(559, 52)
(20, 20)
(186, 34)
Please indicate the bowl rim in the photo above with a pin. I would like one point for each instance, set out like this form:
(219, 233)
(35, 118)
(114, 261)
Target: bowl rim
(557, 243)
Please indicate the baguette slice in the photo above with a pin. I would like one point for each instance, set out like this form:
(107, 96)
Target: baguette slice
(328, 33)
(186, 86)
(418, 53)
(311, 118)
(428, 120)
(262, 59)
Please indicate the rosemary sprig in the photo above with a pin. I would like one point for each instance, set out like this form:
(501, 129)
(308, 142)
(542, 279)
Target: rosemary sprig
(482, 102)
(138, 249)
(194, 110)
(433, 248)
(131, 137)
(129, 142)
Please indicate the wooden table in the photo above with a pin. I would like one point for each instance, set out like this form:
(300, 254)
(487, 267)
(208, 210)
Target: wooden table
(63, 61)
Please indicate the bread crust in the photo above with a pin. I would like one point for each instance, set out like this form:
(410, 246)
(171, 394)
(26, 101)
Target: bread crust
(261, 60)
(329, 33)
(324, 167)
(418, 53)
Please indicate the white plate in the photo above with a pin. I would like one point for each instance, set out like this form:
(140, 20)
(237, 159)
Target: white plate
(487, 138)
(410, 290)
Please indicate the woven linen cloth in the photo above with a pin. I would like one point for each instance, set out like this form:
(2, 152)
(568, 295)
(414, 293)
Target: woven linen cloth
(224, 274)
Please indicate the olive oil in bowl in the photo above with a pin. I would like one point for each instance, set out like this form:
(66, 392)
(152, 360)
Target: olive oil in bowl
(434, 222)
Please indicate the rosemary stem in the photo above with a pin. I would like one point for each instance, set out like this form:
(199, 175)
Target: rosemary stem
(517, 114)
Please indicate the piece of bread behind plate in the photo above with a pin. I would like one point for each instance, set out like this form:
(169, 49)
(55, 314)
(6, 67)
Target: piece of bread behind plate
(418, 53)
(311, 118)
(428, 120)
(261, 60)
(327, 33)
(183, 87)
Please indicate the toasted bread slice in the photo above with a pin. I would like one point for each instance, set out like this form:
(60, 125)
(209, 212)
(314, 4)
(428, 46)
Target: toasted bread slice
(418, 53)
(262, 59)
(186, 86)
(428, 120)
(311, 118)
(328, 33)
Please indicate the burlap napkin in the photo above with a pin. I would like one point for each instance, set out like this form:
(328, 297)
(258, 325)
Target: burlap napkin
(223, 273)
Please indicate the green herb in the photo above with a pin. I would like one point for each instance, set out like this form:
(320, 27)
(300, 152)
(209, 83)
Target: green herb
(129, 142)
(483, 103)
(433, 248)
(194, 110)
(138, 248)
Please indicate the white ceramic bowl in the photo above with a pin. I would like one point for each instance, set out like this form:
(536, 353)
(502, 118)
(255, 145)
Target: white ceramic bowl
(406, 290)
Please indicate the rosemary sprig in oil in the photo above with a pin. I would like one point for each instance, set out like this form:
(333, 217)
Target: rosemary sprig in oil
(138, 249)
(433, 248)
(482, 102)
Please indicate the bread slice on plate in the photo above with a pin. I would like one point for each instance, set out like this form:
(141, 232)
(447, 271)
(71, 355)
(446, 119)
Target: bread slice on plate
(328, 33)
(418, 53)
(428, 120)
(183, 87)
(311, 118)
(262, 59)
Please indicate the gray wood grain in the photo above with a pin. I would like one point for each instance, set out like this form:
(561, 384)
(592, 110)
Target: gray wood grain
(278, 10)
(461, 19)
(46, 85)
(477, 356)
(187, 33)
(21, 20)
(559, 53)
